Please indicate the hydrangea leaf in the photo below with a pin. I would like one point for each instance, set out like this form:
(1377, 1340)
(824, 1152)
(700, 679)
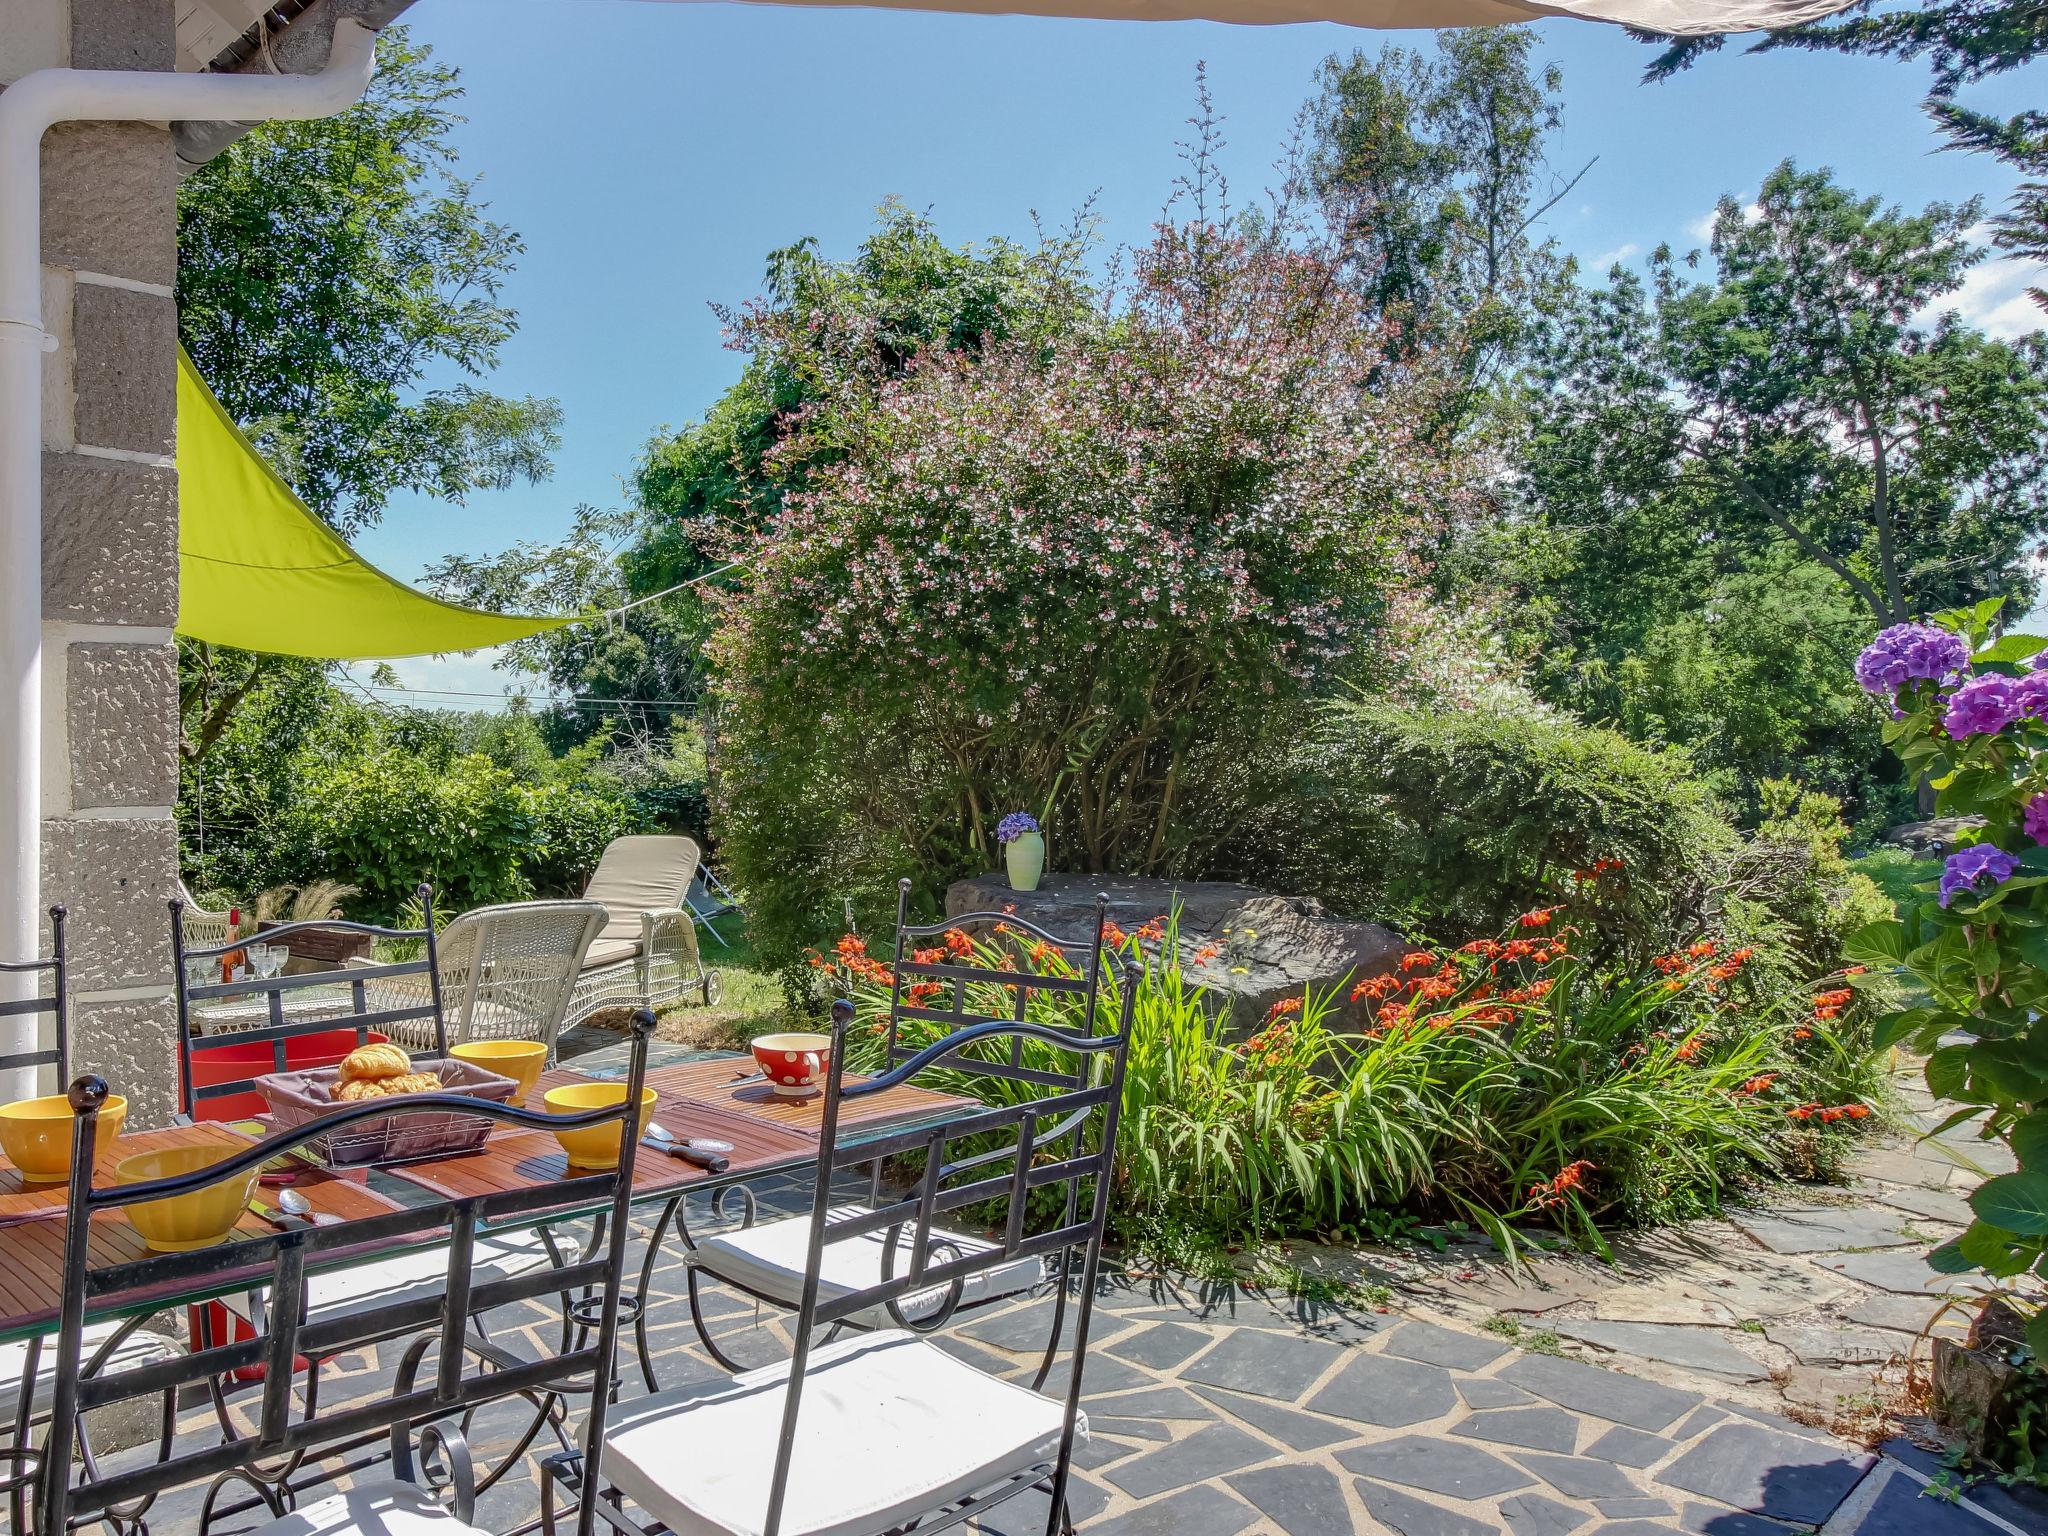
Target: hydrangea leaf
(2018, 1202)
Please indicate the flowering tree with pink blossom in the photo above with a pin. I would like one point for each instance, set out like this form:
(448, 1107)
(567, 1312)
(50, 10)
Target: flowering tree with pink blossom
(1071, 568)
(1971, 714)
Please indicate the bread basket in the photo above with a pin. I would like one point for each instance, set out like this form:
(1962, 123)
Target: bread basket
(296, 1098)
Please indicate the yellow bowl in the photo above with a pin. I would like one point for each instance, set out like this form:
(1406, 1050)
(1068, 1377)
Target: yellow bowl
(36, 1134)
(520, 1060)
(196, 1220)
(595, 1146)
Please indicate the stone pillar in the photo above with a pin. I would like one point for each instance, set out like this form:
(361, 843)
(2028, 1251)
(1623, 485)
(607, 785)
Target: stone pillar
(110, 545)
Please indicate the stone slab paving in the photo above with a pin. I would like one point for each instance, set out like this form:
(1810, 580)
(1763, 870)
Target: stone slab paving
(1217, 1412)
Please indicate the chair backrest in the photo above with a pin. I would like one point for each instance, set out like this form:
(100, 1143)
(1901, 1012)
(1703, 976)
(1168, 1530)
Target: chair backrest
(290, 1007)
(941, 983)
(1054, 1143)
(281, 1260)
(642, 874)
(202, 926)
(507, 972)
(55, 1002)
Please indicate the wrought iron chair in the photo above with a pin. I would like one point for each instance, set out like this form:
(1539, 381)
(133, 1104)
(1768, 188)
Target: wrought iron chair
(29, 1369)
(393, 998)
(885, 1431)
(424, 1399)
(765, 1260)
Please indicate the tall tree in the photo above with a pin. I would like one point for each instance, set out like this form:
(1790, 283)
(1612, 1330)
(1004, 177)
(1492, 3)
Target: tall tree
(325, 267)
(1964, 42)
(1433, 167)
(1730, 483)
(325, 270)
(1802, 383)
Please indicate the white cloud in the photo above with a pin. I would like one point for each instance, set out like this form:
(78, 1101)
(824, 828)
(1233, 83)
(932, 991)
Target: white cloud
(1994, 297)
(1620, 253)
(1702, 228)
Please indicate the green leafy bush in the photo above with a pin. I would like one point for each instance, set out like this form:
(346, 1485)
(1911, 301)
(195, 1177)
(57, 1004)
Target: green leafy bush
(1451, 822)
(388, 819)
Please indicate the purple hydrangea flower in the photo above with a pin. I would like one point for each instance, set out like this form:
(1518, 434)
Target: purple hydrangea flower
(1911, 653)
(1015, 825)
(2030, 697)
(1967, 866)
(2036, 819)
(1981, 707)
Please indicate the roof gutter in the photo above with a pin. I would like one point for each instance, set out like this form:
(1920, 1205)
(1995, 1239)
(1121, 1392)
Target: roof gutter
(28, 109)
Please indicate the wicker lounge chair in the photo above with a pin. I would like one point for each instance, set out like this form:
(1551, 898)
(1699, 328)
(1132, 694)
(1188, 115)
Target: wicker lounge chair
(507, 972)
(647, 953)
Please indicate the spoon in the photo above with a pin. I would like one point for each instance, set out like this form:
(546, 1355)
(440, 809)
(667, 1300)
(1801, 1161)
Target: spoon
(705, 1152)
(292, 1203)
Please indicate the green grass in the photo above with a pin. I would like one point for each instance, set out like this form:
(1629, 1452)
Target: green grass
(750, 1001)
(1896, 872)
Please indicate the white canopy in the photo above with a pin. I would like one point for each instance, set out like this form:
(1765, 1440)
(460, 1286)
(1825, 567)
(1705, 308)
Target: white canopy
(1679, 16)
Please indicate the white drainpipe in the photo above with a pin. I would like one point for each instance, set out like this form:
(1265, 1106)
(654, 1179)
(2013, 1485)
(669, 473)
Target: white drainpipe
(28, 109)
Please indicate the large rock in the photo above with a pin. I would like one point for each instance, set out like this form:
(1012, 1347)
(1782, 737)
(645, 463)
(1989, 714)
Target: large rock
(1259, 947)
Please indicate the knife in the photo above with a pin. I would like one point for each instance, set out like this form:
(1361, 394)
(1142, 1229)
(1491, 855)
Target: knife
(704, 1154)
(278, 1219)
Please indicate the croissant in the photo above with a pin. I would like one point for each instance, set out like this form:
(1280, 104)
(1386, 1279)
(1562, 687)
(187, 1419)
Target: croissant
(375, 1061)
(387, 1087)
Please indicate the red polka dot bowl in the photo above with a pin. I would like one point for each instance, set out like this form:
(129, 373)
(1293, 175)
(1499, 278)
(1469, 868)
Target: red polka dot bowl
(793, 1064)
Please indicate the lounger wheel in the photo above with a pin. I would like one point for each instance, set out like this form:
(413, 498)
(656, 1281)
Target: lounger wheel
(711, 988)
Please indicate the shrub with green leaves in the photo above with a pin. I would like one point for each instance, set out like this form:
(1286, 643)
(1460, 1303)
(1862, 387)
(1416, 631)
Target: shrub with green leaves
(1972, 948)
(1451, 822)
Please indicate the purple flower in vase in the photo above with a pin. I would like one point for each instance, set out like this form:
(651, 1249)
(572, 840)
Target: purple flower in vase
(1966, 867)
(1015, 825)
(1912, 653)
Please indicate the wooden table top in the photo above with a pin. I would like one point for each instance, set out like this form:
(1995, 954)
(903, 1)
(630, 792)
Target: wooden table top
(699, 1098)
(32, 1231)
(723, 1081)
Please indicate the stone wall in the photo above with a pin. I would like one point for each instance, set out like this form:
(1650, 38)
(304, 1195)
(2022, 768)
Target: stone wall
(110, 539)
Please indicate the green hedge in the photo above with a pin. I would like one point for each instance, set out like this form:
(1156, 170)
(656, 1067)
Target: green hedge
(1453, 822)
(389, 819)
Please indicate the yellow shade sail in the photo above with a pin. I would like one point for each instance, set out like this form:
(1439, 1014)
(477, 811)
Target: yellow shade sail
(259, 571)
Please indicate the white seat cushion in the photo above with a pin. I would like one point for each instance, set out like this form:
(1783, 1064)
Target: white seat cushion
(636, 875)
(137, 1350)
(769, 1260)
(409, 1276)
(890, 1427)
(377, 1509)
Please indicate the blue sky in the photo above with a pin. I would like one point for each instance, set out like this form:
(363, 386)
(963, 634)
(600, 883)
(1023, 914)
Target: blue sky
(652, 154)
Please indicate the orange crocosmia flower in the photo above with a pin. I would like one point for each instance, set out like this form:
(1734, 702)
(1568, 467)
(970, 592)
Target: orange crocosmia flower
(1743, 955)
(1375, 987)
(1435, 990)
(1283, 1006)
(1834, 999)
(1539, 918)
(1856, 1111)
(850, 945)
(1803, 1112)
(1041, 952)
(1206, 953)
(1856, 970)
(1517, 949)
(1669, 963)
(957, 942)
(1674, 985)
(1417, 959)
(1690, 1048)
(1151, 932)
(1758, 1084)
(1485, 948)
(1802, 1033)
(1705, 949)
(928, 956)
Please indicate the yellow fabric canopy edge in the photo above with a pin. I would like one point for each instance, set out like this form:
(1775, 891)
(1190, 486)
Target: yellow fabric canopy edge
(259, 571)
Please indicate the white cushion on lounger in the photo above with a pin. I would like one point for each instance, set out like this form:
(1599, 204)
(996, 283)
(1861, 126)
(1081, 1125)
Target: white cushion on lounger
(408, 1276)
(769, 1260)
(138, 1349)
(610, 952)
(890, 1427)
(379, 1509)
